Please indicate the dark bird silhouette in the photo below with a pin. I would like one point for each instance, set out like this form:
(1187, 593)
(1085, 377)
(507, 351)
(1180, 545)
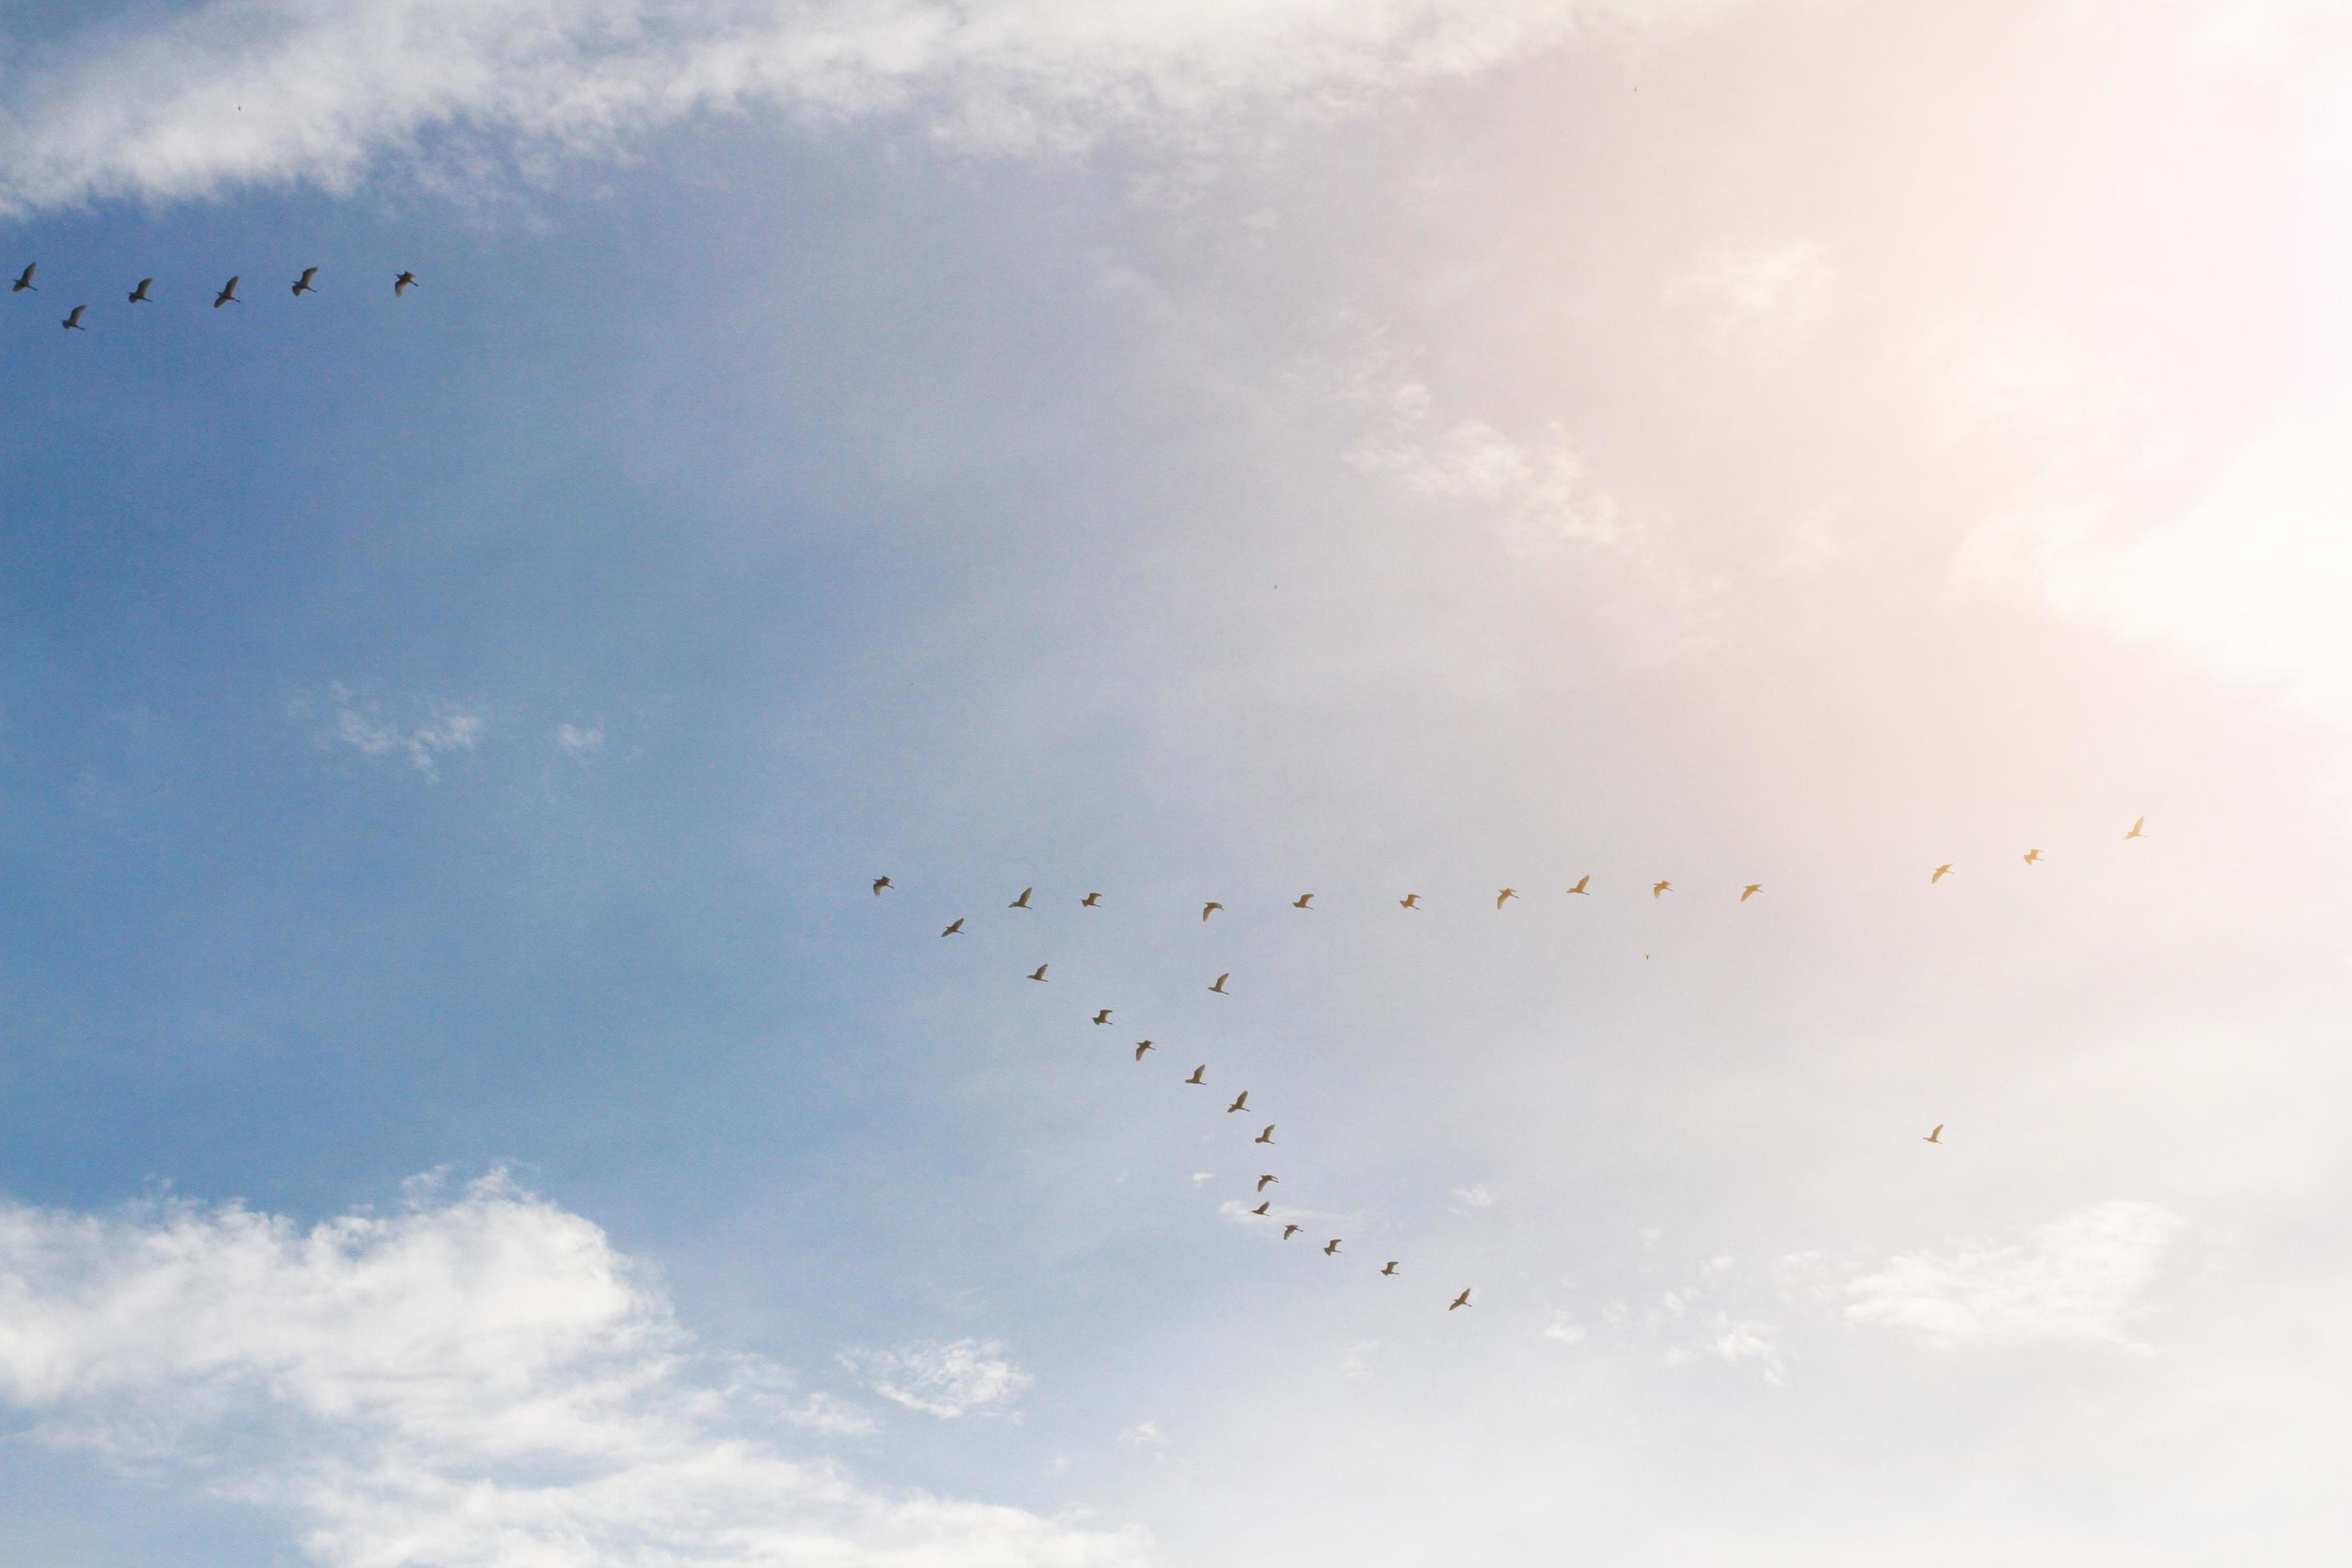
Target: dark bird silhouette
(403, 284)
(1302, 901)
(1580, 887)
(1410, 902)
(1219, 986)
(880, 883)
(1660, 889)
(1141, 1046)
(303, 284)
(1750, 891)
(1392, 1267)
(955, 929)
(1935, 1137)
(139, 296)
(1939, 873)
(1197, 1071)
(1261, 1208)
(1461, 1300)
(1090, 900)
(1022, 901)
(1211, 907)
(2139, 823)
(1331, 1247)
(72, 323)
(24, 279)
(1265, 1181)
(1040, 975)
(2033, 856)
(1288, 1231)
(1240, 1102)
(227, 295)
(1103, 1016)
(1507, 894)
(1266, 1136)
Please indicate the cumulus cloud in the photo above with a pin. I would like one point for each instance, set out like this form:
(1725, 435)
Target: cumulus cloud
(472, 1380)
(278, 92)
(945, 1380)
(443, 730)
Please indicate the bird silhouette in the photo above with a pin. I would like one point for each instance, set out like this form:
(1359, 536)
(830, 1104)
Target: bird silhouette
(1940, 872)
(1302, 901)
(303, 284)
(139, 296)
(403, 284)
(1660, 889)
(1331, 1247)
(1750, 891)
(1288, 1231)
(72, 323)
(1090, 900)
(1197, 1071)
(880, 883)
(1240, 1102)
(1040, 975)
(227, 295)
(2033, 856)
(955, 929)
(1265, 1181)
(1461, 1300)
(1219, 986)
(1266, 1136)
(1141, 1046)
(1211, 907)
(1103, 1016)
(1580, 887)
(24, 279)
(1935, 1137)
(1392, 1267)
(2137, 823)
(1261, 1208)
(1506, 896)
(1022, 901)
(1410, 902)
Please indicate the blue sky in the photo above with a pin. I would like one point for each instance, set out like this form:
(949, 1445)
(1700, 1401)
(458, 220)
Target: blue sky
(460, 1104)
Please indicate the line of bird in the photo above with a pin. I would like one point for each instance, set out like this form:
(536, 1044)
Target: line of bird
(2032, 857)
(306, 284)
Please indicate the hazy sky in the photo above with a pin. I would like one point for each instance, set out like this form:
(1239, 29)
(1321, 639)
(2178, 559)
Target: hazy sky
(460, 1104)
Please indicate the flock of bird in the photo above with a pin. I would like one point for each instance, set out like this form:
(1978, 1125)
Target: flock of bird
(1411, 900)
(306, 284)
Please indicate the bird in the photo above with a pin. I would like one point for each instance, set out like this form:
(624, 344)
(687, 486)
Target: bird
(227, 295)
(2033, 856)
(403, 284)
(303, 284)
(1750, 891)
(1580, 887)
(1211, 907)
(1506, 896)
(1660, 889)
(1022, 901)
(1141, 1046)
(1392, 1267)
(2137, 823)
(1461, 1300)
(1302, 901)
(24, 279)
(1103, 1016)
(1266, 1136)
(1196, 1077)
(1935, 1137)
(1410, 902)
(1331, 1247)
(72, 323)
(955, 929)
(1090, 900)
(1219, 986)
(1263, 1208)
(1288, 1231)
(1939, 873)
(1265, 1181)
(139, 296)
(1040, 975)
(882, 882)
(1240, 1102)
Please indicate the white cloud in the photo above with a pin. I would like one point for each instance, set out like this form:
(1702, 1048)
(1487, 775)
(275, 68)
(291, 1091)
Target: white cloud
(1477, 1195)
(276, 92)
(1758, 298)
(1562, 1329)
(468, 1383)
(579, 742)
(946, 1380)
(2079, 1278)
(1144, 1435)
(444, 730)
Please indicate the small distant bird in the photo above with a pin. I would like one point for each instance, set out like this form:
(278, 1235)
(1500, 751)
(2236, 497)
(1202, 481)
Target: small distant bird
(1935, 1137)
(72, 323)
(1240, 1102)
(403, 284)
(1331, 1247)
(1103, 1016)
(1266, 1136)
(882, 882)
(1505, 897)
(1580, 887)
(139, 296)
(1090, 900)
(1410, 902)
(955, 929)
(1022, 901)
(1219, 986)
(1750, 891)
(24, 279)
(1211, 907)
(1660, 889)
(1461, 1300)
(1263, 1208)
(1302, 901)
(227, 295)
(2033, 856)
(1196, 1077)
(1392, 1267)
(1265, 1181)
(303, 284)
(1141, 1046)
(2137, 823)
(1040, 975)
(1288, 1231)
(1940, 872)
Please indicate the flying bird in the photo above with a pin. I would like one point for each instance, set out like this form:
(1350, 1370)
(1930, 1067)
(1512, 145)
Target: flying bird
(1266, 1136)
(1506, 896)
(1410, 902)
(1392, 1267)
(880, 883)
(1940, 872)
(2137, 823)
(1090, 900)
(1141, 1046)
(1219, 986)
(1302, 901)
(1240, 1102)
(1660, 889)
(24, 279)
(955, 929)
(72, 323)
(1197, 1071)
(1750, 891)
(1022, 901)
(1040, 975)
(1261, 1208)
(1265, 1181)
(1103, 1016)
(403, 284)
(1211, 907)
(1331, 1247)
(139, 296)
(303, 284)
(1935, 1137)
(227, 295)
(1288, 1231)
(2033, 856)
(1580, 887)
(1461, 1300)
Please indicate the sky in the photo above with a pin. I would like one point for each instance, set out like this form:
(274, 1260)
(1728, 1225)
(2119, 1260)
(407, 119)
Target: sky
(463, 1106)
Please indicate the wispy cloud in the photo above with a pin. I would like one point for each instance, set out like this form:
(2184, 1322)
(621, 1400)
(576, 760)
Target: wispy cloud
(440, 730)
(469, 1381)
(946, 1380)
(1756, 298)
(580, 742)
